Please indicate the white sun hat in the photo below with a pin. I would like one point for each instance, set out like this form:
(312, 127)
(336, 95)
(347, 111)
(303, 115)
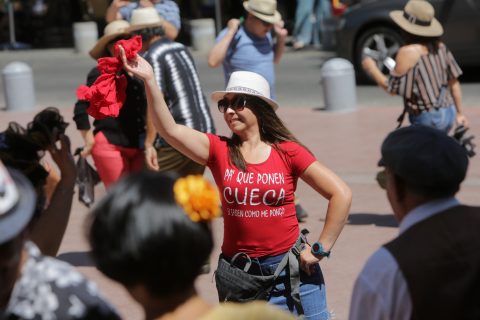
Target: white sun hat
(248, 83)
(143, 18)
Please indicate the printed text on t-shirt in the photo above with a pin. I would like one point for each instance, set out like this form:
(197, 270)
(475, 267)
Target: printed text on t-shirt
(251, 189)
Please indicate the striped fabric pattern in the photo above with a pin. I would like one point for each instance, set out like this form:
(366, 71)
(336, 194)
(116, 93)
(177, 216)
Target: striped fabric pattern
(178, 79)
(420, 87)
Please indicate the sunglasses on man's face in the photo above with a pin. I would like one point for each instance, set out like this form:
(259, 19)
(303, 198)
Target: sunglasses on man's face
(382, 179)
(237, 103)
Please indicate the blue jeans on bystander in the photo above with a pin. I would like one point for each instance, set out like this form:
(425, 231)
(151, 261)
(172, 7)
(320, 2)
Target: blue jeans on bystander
(308, 20)
(441, 118)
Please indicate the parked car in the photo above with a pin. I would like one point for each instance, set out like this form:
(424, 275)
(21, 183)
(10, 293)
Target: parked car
(366, 28)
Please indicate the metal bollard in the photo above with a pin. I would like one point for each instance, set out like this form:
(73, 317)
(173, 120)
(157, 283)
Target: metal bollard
(202, 32)
(85, 35)
(338, 82)
(18, 86)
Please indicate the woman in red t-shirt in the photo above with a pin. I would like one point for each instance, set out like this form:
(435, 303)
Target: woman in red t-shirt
(256, 171)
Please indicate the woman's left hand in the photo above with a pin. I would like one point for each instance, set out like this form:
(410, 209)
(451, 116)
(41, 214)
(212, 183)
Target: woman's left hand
(308, 260)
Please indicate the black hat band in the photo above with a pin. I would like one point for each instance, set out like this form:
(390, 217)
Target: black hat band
(415, 20)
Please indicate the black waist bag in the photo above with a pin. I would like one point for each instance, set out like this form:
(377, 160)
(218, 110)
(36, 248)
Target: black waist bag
(237, 285)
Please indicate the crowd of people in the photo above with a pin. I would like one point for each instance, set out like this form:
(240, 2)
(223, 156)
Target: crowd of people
(151, 232)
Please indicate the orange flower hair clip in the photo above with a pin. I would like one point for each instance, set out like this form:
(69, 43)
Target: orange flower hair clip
(198, 198)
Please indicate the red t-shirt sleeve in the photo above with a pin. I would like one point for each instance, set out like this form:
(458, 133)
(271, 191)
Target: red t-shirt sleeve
(215, 147)
(298, 157)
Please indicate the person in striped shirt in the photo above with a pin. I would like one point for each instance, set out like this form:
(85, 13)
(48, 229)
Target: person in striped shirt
(179, 82)
(425, 73)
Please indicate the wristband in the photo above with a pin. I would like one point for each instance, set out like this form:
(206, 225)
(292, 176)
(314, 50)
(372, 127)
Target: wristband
(317, 250)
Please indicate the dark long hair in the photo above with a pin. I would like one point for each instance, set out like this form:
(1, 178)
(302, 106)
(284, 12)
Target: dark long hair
(140, 236)
(432, 43)
(272, 131)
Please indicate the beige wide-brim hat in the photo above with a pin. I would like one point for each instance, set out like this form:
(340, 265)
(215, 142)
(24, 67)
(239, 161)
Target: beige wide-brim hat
(265, 10)
(113, 30)
(248, 83)
(143, 18)
(418, 18)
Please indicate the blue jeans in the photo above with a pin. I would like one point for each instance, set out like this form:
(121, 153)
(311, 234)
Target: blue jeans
(312, 289)
(442, 118)
(306, 29)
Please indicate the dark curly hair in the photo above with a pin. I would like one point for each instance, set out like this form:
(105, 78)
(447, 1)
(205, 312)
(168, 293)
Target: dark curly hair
(23, 149)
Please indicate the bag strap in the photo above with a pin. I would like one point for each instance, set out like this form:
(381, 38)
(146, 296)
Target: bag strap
(441, 96)
(294, 269)
(248, 264)
(401, 117)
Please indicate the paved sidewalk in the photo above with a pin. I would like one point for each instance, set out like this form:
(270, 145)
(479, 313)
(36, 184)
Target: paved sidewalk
(348, 143)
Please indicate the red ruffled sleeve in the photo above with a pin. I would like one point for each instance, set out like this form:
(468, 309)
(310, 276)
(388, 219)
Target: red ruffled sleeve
(107, 94)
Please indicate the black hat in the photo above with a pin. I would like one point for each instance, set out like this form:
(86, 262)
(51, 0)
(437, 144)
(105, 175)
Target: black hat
(424, 156)
(17, 203)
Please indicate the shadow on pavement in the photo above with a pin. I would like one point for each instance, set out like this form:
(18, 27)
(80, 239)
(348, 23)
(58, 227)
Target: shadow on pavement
(77, 258)
(380, 220)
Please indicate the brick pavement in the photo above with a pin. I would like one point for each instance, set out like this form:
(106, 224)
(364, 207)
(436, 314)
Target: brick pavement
(346, 142)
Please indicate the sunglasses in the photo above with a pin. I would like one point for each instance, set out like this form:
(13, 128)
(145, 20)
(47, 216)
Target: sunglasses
(237, 103)
(382, 179)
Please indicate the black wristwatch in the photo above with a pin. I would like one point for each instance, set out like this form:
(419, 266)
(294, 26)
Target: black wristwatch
(317, 250)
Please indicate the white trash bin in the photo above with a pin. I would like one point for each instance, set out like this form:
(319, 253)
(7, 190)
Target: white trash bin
(85, 35)
(339, 88)
(18, 86)
(202, 33)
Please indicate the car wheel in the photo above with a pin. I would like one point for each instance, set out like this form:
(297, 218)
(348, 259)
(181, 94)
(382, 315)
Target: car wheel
(378, 43)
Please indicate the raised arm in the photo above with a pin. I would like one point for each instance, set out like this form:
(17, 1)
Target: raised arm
(192, 143)
(406, 58)
(171, 31)
(339, 197)
(281, 35)
(48, 230)
(151, 158)
(219, 51)
(113, 10)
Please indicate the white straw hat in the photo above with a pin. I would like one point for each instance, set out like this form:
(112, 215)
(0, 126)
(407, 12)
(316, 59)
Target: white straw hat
(112, 30)
(143, 18)
(248, 83)
(265, 10)
(417, 17)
